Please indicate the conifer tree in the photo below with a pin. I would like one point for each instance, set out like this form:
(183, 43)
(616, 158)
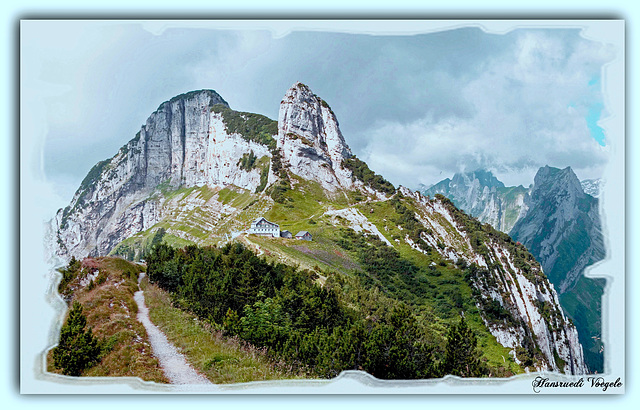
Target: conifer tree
(78, 349)
(462, 357)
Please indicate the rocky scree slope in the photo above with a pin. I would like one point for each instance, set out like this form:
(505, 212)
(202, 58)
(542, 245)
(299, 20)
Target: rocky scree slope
(197, 146)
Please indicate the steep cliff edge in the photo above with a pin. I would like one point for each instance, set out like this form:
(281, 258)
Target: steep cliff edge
(183, 143)
(562, 230)
(518, 304)
(561, 226)
(310, 140)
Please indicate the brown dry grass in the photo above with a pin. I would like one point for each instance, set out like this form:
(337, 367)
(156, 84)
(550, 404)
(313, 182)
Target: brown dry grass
(111, 312)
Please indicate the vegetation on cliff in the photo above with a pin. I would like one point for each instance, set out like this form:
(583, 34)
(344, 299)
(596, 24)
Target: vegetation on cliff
(252, 127)
(362, 172)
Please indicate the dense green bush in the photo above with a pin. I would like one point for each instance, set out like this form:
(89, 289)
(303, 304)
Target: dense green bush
(77, 349)
(252, 127)
(462, 357)
(69, 273)
(264, 178)
(247, 161)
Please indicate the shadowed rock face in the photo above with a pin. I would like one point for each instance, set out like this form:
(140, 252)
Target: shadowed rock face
(562, 230)
(561, 227)
(555, 219)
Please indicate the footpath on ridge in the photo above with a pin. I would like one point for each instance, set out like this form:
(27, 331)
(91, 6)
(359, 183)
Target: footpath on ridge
(173, 363)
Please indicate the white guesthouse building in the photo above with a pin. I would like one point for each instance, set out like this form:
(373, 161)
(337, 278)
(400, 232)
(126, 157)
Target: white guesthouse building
(265, 228)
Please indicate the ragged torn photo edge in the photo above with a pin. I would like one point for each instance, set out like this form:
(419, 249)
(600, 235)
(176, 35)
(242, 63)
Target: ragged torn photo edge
(354, 382)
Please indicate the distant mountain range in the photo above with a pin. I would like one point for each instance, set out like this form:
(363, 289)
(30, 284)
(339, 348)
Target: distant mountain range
(483, 196)
(558, 222)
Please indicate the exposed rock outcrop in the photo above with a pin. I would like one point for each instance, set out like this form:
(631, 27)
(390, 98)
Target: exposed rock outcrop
(561, 226)
(592, 187)
(195, 139)
(183, 143)
(310, 140)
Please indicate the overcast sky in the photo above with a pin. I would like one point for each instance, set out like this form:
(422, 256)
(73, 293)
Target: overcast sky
(417, 108)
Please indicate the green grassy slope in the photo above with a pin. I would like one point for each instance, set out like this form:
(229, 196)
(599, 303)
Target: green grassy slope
(435, 287)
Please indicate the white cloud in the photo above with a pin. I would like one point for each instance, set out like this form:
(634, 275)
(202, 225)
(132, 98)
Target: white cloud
(411, 106)
(529, 107)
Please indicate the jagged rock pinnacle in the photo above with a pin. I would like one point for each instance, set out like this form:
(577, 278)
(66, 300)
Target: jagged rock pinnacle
(310, 139)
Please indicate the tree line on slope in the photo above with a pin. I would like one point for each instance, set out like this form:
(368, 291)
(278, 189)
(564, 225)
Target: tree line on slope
(280, 308)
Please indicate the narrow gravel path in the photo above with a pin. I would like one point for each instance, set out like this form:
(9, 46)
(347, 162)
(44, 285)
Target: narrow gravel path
(173, 363)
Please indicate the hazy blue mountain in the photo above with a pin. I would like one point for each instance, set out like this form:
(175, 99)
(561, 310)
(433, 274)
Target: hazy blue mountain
(483, 196)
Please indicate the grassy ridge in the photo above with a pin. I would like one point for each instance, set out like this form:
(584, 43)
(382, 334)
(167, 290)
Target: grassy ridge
(111, 312)
(220, 359)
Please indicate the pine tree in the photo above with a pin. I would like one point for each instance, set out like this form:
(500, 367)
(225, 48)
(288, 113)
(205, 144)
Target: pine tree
(78, 349)
(462, 357)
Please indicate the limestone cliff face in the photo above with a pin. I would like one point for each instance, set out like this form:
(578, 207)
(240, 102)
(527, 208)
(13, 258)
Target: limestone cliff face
(310, 140)
(183, 143)
(532, 318)
(195, 139)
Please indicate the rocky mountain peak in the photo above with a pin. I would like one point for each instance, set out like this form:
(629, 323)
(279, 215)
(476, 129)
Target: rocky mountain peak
(558, 210)
(562, 230)
(483, 196)
(204, 97)
(198, 171)
(310, 140)
(479, 177)
(549, 179)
